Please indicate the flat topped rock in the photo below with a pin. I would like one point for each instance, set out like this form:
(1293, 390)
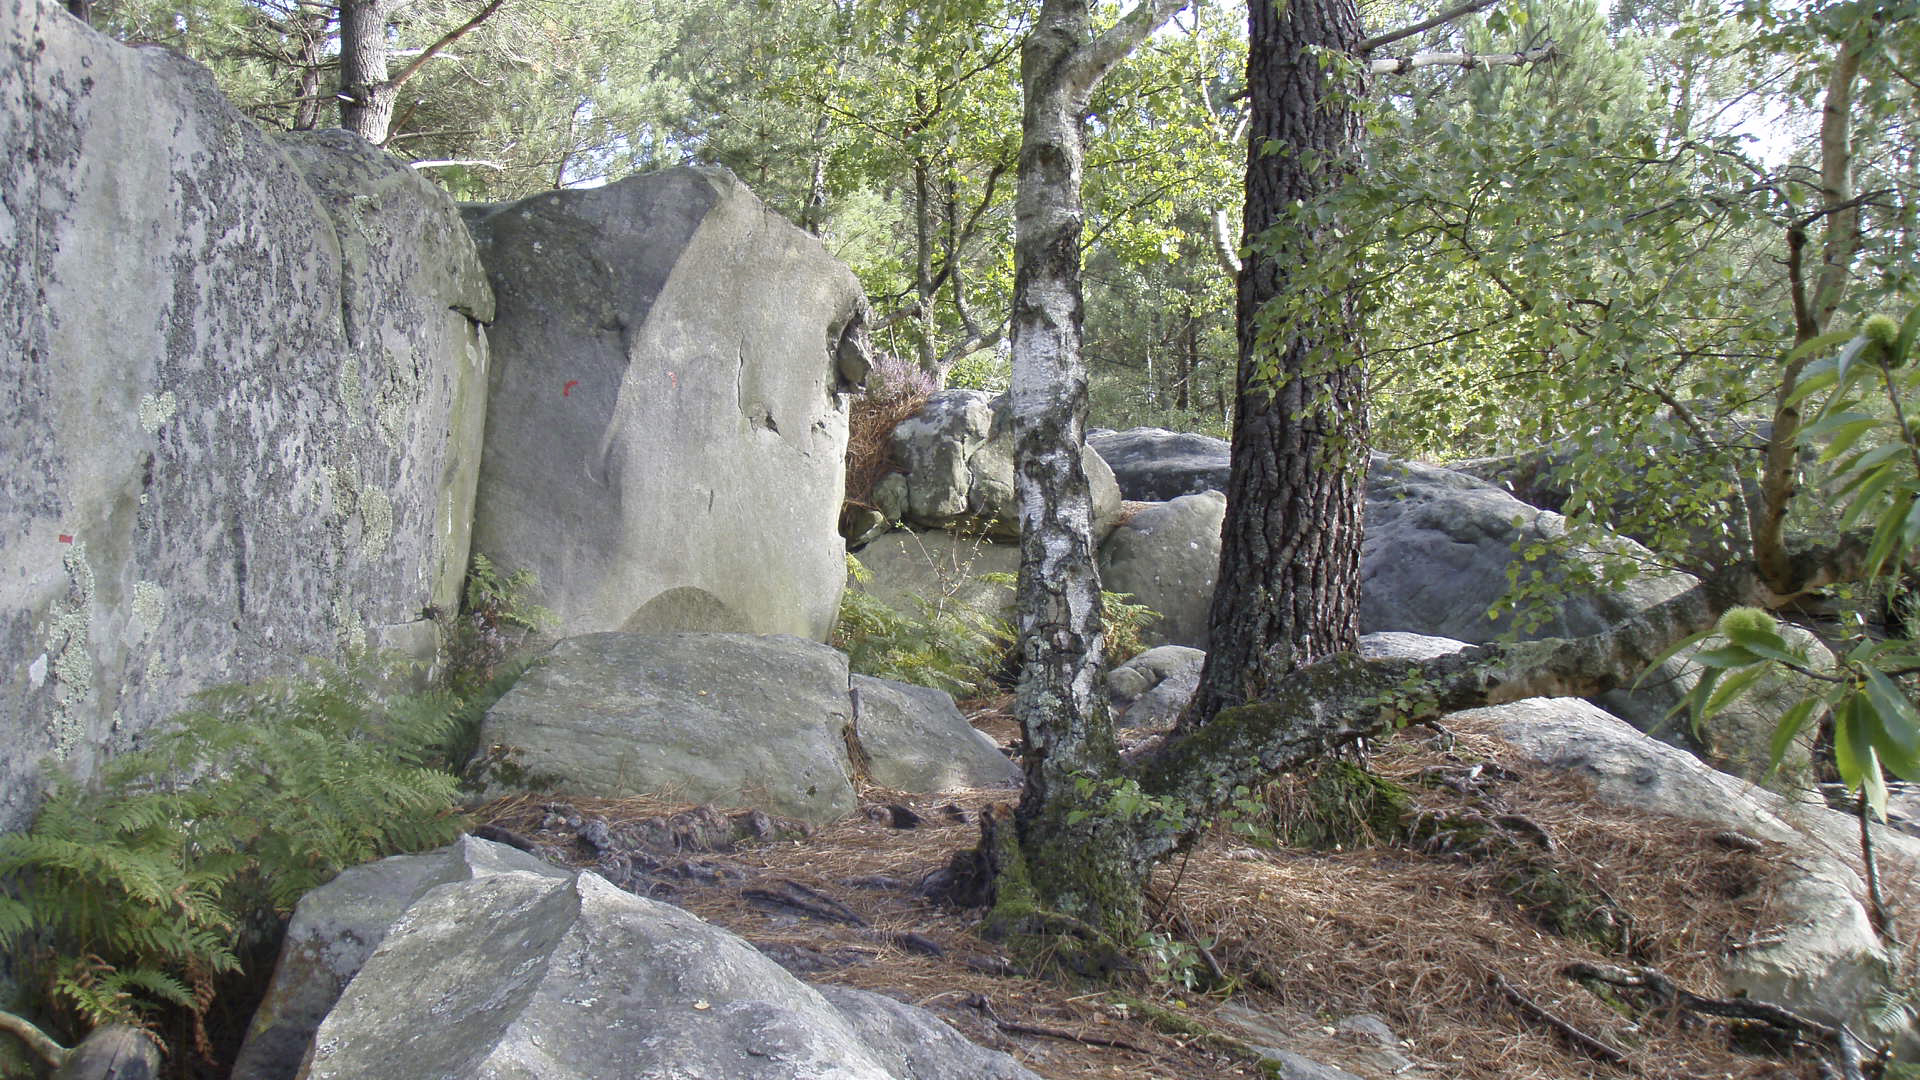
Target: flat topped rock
(732, 719)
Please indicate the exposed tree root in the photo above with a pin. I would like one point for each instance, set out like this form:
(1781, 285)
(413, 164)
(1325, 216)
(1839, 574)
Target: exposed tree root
(1666, 992)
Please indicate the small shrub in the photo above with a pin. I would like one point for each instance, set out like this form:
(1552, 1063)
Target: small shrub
(133, 892)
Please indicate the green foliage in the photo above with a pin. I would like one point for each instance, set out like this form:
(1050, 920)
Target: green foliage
(1124, 624)
(1347, 806)
(943, 645)
(505, 599)
(1121, 799)
(1872, 474)
(131, 893)
(1171, 963)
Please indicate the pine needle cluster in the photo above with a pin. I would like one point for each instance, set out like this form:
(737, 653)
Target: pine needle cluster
(132, 892)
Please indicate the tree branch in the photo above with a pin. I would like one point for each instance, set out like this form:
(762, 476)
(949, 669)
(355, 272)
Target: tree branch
(1090, 63)
(1345, 698)
(37, 1041)
(1537, 55)
(1391, 36)
(446, 39)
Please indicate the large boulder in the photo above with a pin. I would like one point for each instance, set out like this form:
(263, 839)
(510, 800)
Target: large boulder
(1157, 465)
(1151, 690)
(526, 975)
(957, 456)
(666, 432)
(913, 738)
(1436, 556)
(733, 719)
(908, 567)
(333, 931)
(243, 404)
(1167, 556)
(1826, 961)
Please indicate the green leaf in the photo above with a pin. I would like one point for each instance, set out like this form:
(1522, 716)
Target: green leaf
(1676, 649)
(1766, 643)
(1729, 691)
(1726, 656)
(1819, 344)
(1791, 724)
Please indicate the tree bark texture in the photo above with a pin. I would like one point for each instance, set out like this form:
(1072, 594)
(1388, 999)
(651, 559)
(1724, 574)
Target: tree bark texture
(367, 96)
(1061, 706)
(1289, 581)
(1076, 865)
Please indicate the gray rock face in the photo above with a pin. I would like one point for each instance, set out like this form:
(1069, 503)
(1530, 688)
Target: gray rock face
(665, 433)
(336, 927)
(1437, 548)
(243, 404)
(957, 456)
(732, 719)
(573, 979)
(1830, 964)
(1157, 465)
(913, 738)
(1394, 645)
(1151, 689)
(1167, 556)
(942, 567)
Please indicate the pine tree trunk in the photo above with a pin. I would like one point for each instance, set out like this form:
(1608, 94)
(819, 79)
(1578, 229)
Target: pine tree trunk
(367, 97)
(1289, 583)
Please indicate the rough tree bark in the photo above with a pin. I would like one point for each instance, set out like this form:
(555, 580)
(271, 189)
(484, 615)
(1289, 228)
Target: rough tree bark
(1289, 583)
(1062, 707)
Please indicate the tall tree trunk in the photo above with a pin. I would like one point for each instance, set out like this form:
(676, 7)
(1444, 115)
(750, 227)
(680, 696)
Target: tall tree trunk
(311, 24)
(366, 95)
(923, 284)
(1068, 732)
(1289, 582)
(1074, 864)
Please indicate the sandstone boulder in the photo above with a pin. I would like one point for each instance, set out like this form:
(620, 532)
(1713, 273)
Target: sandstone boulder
(732, 719)
(1157, 465)
(908, 566)
(666, 429)
(957, 456)
(244, 394)
(336, 927)
(1438, 545)
(1150, 690)
(526, 975)
(1828, 963)
(1167, 556)
(913, 738)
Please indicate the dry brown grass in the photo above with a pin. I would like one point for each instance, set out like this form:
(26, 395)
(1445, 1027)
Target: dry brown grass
(1309, 936)
(898, 392)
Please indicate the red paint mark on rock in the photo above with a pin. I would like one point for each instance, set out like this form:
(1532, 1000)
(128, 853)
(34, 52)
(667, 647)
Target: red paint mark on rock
(66, 538)
(675, 378)
(568, 389)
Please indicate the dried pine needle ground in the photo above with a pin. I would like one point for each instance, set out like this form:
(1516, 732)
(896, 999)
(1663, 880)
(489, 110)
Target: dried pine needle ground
(1422, 940)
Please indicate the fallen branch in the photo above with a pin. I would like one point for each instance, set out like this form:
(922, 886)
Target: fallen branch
(979, 1001)
(1668, 992)
(1539, 1012)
